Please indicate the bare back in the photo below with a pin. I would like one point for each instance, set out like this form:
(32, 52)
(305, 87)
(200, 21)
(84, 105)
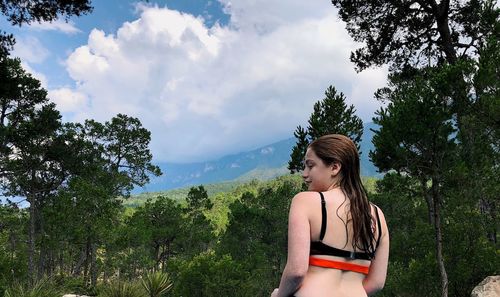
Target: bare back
(323, 282)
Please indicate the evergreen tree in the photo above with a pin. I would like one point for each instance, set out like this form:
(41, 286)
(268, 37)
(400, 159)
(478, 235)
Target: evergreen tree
(412, 33)
(330, 116)
(33, 149)
(20, 12)
(417, 137)
(256, 236)
(156, 226)
(197, 231)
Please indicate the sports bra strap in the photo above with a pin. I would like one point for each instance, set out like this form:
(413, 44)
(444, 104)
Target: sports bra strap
(323, 217)
(324, 222)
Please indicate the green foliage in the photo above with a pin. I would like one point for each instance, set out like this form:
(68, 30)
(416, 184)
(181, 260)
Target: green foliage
(407, 32)
(22, 95)
(412, 256)
(74, 285)
(209, 275)
(27, 11)
(155, 226)
(123, 144)
(119, 288)
(416, 128)
(13, 238)
(469, 255)
(7, 42)
(180, 194)
(42, 288)
(197, 199)
(330, 116)
(256, 235)
(197, 232)
(156, 284)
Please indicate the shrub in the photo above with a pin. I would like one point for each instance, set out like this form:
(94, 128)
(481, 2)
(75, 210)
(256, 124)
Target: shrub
(42, 288)
(122, 289)
(156, 284)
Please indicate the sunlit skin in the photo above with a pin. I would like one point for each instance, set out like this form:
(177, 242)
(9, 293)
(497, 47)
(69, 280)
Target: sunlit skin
(304, 226)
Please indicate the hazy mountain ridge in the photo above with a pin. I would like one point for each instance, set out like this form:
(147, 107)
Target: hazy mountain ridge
(262, 163)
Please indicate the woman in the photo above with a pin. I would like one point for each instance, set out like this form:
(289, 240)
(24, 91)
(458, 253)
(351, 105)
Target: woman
(338, 242)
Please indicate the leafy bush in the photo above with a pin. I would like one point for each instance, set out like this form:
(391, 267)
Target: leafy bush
(74, 285)
(156, 284)
(122, 289)
(42, 288)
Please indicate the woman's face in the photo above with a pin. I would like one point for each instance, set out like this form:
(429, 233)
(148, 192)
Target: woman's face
(317, 175)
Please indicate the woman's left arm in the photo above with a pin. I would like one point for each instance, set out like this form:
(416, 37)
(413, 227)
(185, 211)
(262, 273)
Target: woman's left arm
(299, 238)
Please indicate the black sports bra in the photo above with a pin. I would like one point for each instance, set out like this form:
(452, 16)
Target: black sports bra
(319, 248)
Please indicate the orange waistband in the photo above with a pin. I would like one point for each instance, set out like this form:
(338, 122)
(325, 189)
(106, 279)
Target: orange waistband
(338, 265)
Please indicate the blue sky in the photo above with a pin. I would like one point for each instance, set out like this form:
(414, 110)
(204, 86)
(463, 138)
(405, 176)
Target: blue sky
(207, 78)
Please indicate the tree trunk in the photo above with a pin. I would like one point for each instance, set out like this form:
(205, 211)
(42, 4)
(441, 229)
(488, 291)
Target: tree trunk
(443, 28)
(42, 259)
(488, 209)
(429, 200)
(79, 264)
(61, 262)
(41, 263)
(86, 267)
(93, 265)
(439, 238)
(31, 238)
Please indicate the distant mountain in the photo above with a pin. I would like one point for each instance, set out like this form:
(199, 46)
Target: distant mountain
(263, 163)
(367, 167)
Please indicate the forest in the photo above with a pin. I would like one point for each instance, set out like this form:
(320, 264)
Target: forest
(437, 149)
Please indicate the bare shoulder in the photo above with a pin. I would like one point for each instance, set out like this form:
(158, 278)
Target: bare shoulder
(381, 215)
(303, 200)
(304, 197)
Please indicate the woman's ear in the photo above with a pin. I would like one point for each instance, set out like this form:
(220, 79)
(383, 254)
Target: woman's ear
(336, 169)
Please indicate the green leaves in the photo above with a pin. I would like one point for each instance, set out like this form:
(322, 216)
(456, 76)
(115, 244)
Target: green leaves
(27, 11)
(416, 33)
(124, 147)
(42, 288)
(156, 284)
(330, 116)
(416, 128)
(122, 289)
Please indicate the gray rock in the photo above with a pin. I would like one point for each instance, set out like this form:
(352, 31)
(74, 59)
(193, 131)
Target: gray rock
(489, 287)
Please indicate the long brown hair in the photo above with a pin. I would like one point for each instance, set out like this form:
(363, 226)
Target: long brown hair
(336, 148)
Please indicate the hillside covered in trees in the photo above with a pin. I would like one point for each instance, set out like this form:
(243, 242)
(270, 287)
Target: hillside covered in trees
(437, 147)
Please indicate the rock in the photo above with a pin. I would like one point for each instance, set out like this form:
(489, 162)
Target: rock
(489, 287)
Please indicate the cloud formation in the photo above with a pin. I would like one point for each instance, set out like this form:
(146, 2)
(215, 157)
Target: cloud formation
(30, 50)
(205, 92)
(67, 27)
(68, 100)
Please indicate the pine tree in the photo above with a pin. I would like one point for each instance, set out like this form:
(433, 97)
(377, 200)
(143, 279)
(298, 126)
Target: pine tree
(330, 116)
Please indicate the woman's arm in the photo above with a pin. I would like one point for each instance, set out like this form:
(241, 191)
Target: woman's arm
(375, 279)
(298, 247)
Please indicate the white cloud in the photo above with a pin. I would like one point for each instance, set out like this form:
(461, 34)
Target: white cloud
(67, 27)
(30, 50)
(205, 92)
(68, 100)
